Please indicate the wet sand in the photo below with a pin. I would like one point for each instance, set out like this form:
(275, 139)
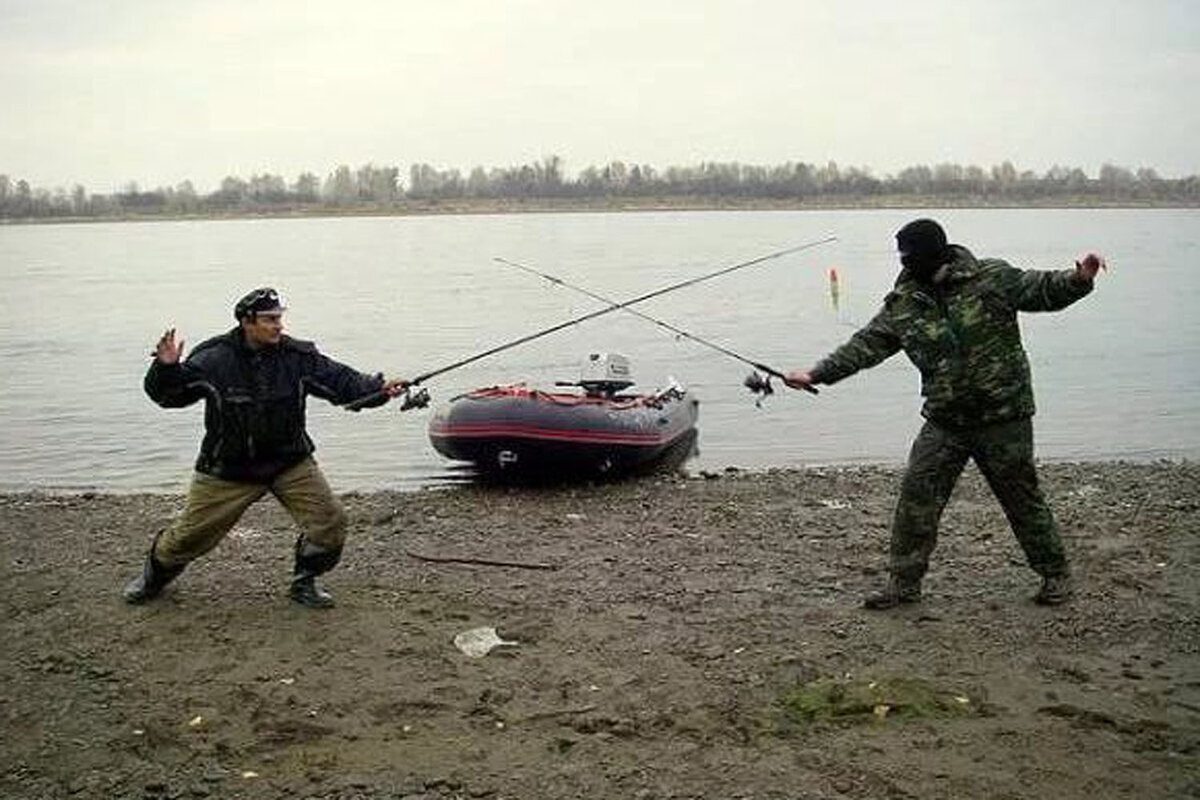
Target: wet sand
(670, 633)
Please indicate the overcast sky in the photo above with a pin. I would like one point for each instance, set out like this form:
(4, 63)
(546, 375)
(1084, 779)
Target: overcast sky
(158, 91)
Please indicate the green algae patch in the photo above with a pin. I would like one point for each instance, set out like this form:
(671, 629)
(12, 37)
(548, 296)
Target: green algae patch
(873, 700)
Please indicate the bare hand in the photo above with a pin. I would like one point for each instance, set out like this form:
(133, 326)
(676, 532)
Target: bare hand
(395, 386)
(1089, 265)
(168, 351)
(799, 379)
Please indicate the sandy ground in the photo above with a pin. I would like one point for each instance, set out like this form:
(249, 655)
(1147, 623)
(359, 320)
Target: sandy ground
(675, 637)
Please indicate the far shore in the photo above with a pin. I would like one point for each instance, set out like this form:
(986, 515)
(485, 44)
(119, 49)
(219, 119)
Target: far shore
(606, 205)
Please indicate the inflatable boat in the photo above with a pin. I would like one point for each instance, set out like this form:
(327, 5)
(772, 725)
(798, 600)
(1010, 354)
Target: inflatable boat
(604, 430)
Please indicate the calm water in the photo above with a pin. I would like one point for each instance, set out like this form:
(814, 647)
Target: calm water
(1116, 375)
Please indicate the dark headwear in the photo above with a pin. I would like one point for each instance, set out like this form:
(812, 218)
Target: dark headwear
(260, 301)
(923, 239)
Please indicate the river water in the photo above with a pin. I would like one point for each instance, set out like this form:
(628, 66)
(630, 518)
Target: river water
(1117, 375)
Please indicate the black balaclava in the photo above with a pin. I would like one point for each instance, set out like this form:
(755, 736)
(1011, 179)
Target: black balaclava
(923, 248)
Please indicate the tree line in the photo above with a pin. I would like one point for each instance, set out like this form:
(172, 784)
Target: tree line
(381, 188)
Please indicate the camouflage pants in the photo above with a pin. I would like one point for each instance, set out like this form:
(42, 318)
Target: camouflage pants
(214, 506)
(1004, 454)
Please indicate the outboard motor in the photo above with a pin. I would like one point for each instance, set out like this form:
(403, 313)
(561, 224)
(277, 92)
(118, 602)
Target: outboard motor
(605, 374)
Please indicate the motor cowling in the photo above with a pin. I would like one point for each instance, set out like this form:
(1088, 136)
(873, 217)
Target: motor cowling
(605, 374)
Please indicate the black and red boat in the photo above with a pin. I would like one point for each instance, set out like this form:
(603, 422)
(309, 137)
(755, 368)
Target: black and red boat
(521, 431)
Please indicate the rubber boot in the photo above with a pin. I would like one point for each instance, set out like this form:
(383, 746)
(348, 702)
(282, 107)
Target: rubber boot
(152, 580)
(1055, 590)
(312, 561)
(896, 592)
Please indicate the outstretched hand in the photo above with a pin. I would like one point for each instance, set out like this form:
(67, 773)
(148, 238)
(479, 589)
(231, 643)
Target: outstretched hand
(168, 350)
(1089, 265)
(799, 379)
(395, 386)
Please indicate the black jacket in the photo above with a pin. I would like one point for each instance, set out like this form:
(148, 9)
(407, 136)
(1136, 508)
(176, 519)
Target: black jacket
(254, 425)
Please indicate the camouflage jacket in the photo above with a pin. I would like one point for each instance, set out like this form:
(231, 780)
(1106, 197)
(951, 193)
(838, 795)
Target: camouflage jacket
(961, 332)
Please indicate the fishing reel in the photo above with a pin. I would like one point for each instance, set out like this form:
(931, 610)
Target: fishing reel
(759, 385)
(414, 399)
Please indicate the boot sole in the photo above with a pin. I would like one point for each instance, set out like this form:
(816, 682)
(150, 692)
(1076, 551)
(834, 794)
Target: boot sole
(312, 603)
(884, 605)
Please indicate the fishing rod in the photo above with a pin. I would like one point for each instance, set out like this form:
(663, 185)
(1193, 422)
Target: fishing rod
(755, 382)
(421, 398)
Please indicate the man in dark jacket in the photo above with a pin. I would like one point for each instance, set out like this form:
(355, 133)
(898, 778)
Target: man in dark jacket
(254, 381)
(955, 317)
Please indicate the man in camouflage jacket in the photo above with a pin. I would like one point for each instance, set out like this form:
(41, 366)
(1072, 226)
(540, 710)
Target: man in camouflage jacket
(955, 317)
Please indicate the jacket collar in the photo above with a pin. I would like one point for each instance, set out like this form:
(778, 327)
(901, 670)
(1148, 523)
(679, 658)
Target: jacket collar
(238, 338)
(961, 267)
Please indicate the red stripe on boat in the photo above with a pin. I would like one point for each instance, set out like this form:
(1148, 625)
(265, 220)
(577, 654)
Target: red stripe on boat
(528, 432)
(518, 392)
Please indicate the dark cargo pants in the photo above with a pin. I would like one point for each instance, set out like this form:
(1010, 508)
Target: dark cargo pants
(214, 506)
(1004, 454)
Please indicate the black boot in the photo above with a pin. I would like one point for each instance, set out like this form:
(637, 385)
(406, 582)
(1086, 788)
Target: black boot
(1055, 590)
(304, 590)
(897, 592)
(311, 561)
(152, 580)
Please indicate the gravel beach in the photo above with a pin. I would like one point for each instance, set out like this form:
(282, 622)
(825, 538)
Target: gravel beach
(670, 637)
